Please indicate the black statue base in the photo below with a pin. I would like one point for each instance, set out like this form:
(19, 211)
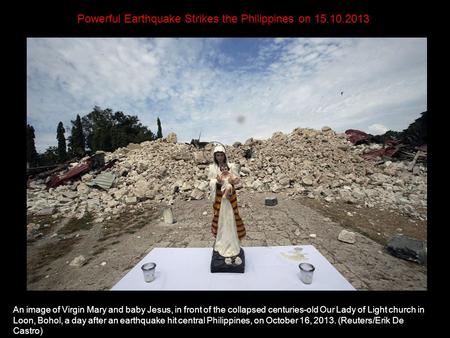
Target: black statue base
(219, 263)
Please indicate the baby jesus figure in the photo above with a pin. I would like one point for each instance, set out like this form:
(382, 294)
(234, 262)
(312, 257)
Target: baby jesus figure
(226, 176)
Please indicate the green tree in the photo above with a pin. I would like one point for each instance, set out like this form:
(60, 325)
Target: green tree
(32, 155)
(159, 132)
(108, 131)
(77, 145)
(49, 157)
(98, 128)
(416, 133)
(62, 152)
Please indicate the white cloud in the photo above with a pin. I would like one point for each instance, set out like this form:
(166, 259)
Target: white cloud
(194, 86)
(377, 129)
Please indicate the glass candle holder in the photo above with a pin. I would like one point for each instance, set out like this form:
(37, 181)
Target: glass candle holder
(306, 272)
(149, 271)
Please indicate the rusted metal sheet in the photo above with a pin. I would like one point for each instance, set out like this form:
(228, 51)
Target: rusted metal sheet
(423, 148)
(383, 152)
(110, 164)
(71, 174)
(357, 136)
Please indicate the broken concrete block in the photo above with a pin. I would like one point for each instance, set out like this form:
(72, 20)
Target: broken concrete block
(45, 212)
(347, 236)
(168, 216)
(78, 261)
(131, 200)
(171, 138)
(197, 194)
(308, 180)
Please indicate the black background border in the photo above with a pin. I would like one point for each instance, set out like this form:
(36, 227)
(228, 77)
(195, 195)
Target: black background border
(57, 19)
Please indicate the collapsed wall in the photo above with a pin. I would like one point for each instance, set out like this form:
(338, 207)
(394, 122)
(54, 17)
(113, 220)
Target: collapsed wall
(319, 164)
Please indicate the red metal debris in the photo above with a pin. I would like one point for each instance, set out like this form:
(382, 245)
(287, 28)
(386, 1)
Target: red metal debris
(109, 164)
(422, 148)
(383, 152)
(357, 136)
(72, 173)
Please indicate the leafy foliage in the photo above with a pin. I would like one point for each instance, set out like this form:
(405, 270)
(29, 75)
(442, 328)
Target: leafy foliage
(32, 155)
(108, 131)
(77, 142)
(62, 151)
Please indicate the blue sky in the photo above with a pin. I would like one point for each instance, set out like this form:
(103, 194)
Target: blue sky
(228, 89)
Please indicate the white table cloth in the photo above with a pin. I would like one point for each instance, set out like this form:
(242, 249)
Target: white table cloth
(266, 268)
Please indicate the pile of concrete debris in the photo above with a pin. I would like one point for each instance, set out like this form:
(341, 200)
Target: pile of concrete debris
(319, 164)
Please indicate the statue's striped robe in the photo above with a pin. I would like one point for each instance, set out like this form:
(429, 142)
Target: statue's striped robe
(233, 200)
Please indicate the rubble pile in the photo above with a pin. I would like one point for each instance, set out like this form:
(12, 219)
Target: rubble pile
(319, 164)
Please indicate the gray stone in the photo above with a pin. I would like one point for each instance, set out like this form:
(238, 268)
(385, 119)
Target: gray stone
(131, 200)
(133, 146)
(63, 200)
(186, 186)
(181, 155)
(358, 195)
(408, 248)
(245, 170)
(347, 236)
(172, 138)
(346, 196)
(200, 158)
(307, 180)
(168, 216)
(82, 188)
(69, 194)
(112, 203)
(141, 167)
(284, 181)
(257, 184)
(78, 261)
(278, 136)
(162, 172)
(271, 201)
(86, 178)
(45, 212)
(140, 189)
(275, 187)
(203, 186)
(197, 194)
